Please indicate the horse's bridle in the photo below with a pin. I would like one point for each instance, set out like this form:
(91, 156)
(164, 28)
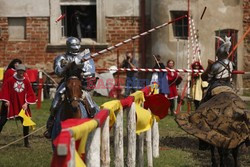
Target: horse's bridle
(70, 100)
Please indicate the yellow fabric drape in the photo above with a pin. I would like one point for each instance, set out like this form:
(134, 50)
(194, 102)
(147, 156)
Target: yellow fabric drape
(26, 119)
(81, 132)
(113, 106)
(197, 89)
(78, 161)
(156, 118)
(138, 97)
(144, 119)
(1, 73)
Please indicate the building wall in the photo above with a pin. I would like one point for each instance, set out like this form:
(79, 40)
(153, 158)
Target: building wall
(37, 51)
(24, 8)
(119, 29)
(122, 8)
(122, 21)
(246, 55)
(32, 50)
(220, 14)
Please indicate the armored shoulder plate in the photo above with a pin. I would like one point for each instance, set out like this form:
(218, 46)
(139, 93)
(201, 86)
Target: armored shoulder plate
(58, 64)
(89, 65)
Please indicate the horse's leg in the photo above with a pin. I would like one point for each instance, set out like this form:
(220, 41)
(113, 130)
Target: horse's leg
(225, 158)
(213, 159)
(235, 155)
(221, 153)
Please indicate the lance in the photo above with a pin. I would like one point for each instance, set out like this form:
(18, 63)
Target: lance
(131, 39)
(60, 18)
(163, 70)
(241, 39)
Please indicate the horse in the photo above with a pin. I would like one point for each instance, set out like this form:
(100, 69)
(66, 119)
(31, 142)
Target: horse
(72, 99)
(72, 105)
(222, 122)
(225, 160)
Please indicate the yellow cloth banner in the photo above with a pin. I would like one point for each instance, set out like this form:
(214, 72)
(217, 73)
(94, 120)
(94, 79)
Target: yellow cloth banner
(78, 161)
(1, 73)
(144, 119)
(26, 119)
(197, 89)
(81, 132)
(138, 97)
(113, 106)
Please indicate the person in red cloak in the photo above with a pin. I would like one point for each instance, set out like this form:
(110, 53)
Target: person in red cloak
(9, 72)
(173, 80)
(11, 69)
(17, 94)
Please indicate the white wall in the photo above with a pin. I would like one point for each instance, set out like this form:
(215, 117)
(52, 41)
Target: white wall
(24, 8)
(122, 7)
(220, 14)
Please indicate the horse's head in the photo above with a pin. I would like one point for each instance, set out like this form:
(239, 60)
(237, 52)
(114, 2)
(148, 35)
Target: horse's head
(73, 91)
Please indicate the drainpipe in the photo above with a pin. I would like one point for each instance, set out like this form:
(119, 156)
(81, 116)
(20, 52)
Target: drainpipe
(143, 39)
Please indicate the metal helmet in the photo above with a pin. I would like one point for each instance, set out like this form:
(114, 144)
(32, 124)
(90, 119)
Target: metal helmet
(73, 45)
(223, 50)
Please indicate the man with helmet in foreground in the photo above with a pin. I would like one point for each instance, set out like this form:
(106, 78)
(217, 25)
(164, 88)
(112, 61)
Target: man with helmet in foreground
(221, 119)
(61, 64)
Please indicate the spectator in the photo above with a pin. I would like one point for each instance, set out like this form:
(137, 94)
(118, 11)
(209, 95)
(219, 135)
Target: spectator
(11, 69)
(196, 84)
(173, 80)
(160, 77)
(9, 72)
(17, 94)
(131, 78)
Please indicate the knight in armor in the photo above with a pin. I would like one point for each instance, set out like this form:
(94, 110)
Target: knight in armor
(218, 73)
(221, 120)
(87, 68)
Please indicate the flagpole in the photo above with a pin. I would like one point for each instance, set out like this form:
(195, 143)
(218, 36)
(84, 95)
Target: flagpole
(241, 39)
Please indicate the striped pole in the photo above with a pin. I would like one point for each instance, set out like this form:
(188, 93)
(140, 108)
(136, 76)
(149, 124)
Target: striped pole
(197, 47)
(188, 57)
(162, 70)
(192, 39)
(133, 38)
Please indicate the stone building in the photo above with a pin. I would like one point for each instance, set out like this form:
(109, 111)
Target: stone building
(29, 31)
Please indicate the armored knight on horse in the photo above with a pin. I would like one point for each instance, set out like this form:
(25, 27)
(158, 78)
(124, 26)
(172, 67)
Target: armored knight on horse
(71, 65)
(222, 119)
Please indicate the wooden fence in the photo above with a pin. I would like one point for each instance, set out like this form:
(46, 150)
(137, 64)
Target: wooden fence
(86, 142)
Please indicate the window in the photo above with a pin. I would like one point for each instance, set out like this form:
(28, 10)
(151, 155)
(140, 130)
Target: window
(80, 21)
(94, 10)
(180, 27)
(16, 28)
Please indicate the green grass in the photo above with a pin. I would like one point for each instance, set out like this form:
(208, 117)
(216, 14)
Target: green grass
(177, 148)
(39, 154)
